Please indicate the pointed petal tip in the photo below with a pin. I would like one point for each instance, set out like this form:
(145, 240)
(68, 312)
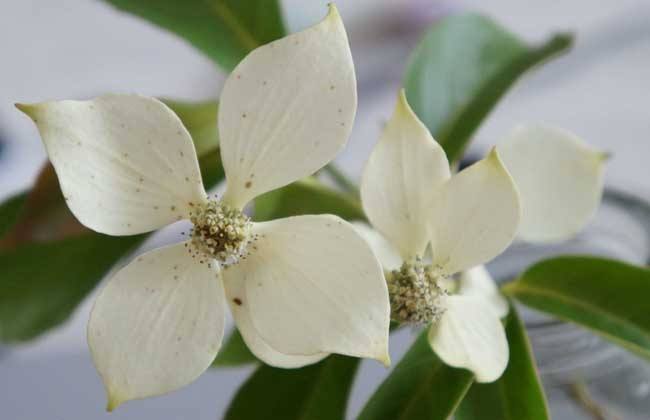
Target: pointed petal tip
(493, 155)
(113, 402)
(403, 104)
(27, 109)
(384, 359)
(603, 156)
(381, 353)
(333, 11)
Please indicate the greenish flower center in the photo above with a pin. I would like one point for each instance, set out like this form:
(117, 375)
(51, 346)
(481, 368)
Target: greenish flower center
(220, 232)
(416, 293)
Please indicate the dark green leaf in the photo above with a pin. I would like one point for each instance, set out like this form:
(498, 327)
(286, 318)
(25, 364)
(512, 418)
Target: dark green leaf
(41, 284)
(307, 196)
(224, 30)
(461, 69)
(234, 352)
(420, 387)
(315, 392)
(608, 297)
(518, 394)
(10, 211)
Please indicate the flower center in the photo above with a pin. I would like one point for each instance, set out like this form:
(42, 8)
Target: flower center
(220, 232)
(416, 293)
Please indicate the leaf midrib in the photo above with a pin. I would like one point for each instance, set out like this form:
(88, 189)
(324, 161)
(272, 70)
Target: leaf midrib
(425, 386)
(226, 14)
(568, 300)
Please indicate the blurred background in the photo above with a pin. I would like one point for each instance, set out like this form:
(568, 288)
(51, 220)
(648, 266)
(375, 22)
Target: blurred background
(83, 48)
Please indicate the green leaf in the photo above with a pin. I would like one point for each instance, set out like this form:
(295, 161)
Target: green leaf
(461, 69)
(41, 284)
(234, 352)
(307, 196)
(315, 392)
(50, 262)
(10, 211)
(420, 387)
(223, 30)
(606, 296)
(200, 119)
(518, 394)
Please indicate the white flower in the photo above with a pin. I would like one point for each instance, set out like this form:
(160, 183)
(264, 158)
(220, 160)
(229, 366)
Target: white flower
(298, 288)
(559, 179)
(412, 200)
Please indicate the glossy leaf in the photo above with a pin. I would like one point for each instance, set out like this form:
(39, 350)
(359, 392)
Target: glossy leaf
(420, 387)
(224, 30)
(518, 394)
(42, 283)
(307, 196)
(234, 352)
(606, 296)
(461, 69)
(315, 392)
(10, 211)
(50, 262)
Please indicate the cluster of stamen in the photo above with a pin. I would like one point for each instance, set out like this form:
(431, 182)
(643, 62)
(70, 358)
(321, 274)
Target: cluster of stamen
(416, 293)
(220, 232)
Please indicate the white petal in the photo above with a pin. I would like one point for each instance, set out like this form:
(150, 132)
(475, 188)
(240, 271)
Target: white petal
(475, 216)
(125, 163)
(287, 109)
(469, 335)
(404, 169)
(386, 253)
(559, 178)
(313, 286)
(235, 293)
(157, 325)
(478, 282)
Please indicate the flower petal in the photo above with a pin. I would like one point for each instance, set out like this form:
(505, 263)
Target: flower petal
(559, 178)
(235, 290)
(125, 163)
(470, 335)
(477, 282)
(287, 109)
(313, 286)
(386, 253)
(157, 325)
(474, 216)
(403, 171)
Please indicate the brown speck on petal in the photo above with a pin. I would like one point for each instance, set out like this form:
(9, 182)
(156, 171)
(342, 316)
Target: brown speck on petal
(237, 301)
(248, 184)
